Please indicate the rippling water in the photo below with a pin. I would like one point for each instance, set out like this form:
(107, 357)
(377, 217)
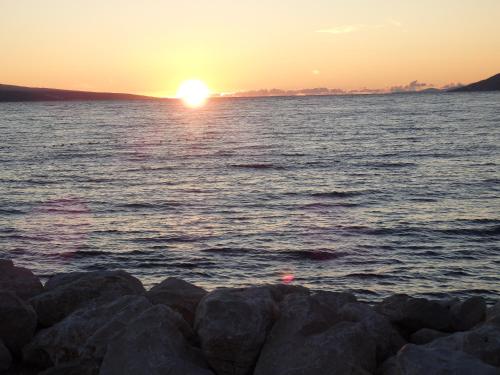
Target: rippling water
(375, 194)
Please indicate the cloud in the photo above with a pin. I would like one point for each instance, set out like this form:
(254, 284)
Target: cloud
(394, 23)
(411, 87)
(280, 92)
(342, 29)
(450, 86)
(347, 29)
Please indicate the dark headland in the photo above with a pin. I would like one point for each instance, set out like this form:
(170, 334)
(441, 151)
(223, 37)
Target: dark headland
(490, 84)
(106, 323)
(10, 93)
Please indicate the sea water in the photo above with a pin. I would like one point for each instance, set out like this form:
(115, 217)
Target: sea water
(373, 194)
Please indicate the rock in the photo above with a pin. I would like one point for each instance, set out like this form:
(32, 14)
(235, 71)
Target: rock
(5, 357)
(387, 339)
(482, 343)
(61, 279)
(152, 344)
(82, 367)
(179, 295)
(425, 336)
(17, 322)
(493, 314)
(18, 280)
(418, 360)
(333, 300)
(85, 333)
(467, 314)
(62, 298)
(280, 291)
(232, 325)
(413, 314)
(308, 339)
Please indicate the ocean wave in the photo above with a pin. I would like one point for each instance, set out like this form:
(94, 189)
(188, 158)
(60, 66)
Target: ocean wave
(368, 275)
(388, 165)
(11, 211)
(80, 254)
(313, 254)
(257, 166)
(476, 232)
(166, 239)
(227, 250)
(318, 205)
(150, 205)
(338, 194)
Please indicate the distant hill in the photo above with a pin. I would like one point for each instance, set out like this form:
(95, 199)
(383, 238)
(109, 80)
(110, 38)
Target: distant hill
(490, 84)
(10, 93)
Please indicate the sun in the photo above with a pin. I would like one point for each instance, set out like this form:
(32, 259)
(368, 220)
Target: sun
(193, 92)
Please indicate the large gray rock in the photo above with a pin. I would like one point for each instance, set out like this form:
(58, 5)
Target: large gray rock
(232, 325)
(179, 295)
(61, 279)
(310, 338)
(85, 333)
(80, 289)
(5, 357)
(482, 342)
(466, 314)
(387, 339)
(333, 301)
(18, 280)
(280, 291)
(79, 367)
(422, 360)
(17, 322)
(413, 314)
(153, 344)
(493, 314)
(426, 335)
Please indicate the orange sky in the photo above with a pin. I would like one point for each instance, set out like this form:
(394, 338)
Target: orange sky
(151, 46)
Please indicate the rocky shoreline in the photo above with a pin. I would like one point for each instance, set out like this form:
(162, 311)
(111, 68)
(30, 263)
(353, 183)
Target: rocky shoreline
(105, 322)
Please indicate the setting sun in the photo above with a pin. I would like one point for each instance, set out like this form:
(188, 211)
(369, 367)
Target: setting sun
(193, 92)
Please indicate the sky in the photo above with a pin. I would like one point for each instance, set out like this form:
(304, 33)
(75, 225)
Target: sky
(151, 46)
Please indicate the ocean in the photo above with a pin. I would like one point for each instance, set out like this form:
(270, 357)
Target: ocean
(374, 194)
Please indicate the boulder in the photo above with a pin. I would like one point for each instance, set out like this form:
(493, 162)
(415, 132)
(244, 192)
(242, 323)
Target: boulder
(18, 280)
(153, 344)
(425, 336)
(80, 367)
(179, 295)
(232, 325)
(62, 298)
(466, 314)
(17, 322)
(418, 360)
(308, 339)
(83, 334)
(412, 314)
(387, 339)
(5, 357)
(62, 279)
(280, 291)
(483, 343)
(333, 301)
(493, 314)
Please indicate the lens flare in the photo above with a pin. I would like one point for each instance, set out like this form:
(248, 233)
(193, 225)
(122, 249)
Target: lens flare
(194, 93)
(287, 278)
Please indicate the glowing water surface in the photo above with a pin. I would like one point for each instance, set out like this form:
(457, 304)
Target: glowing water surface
(376, 194)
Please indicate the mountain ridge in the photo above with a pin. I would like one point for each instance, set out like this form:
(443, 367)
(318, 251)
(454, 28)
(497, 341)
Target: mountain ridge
(488, 84)
(14, 93)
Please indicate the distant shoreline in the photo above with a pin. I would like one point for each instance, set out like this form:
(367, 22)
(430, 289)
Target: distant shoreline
(13, 93)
